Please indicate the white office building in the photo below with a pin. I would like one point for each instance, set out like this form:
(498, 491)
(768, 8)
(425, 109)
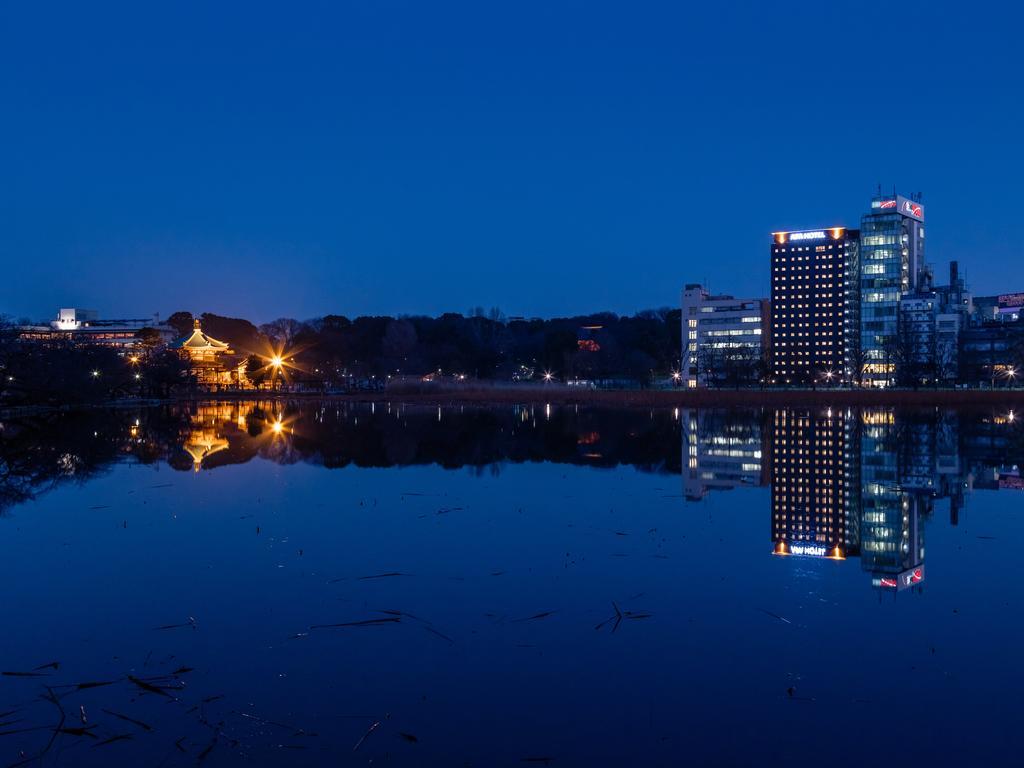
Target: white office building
(723, 337)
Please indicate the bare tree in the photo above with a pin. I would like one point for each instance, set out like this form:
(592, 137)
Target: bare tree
(282, 331)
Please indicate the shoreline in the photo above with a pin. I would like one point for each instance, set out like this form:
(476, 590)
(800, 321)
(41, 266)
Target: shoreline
(618, 398)
(660, 398)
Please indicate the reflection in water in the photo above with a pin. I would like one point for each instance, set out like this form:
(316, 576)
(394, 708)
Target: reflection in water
(289, 601)
(853, 482)
(40, 453)
(845, 483)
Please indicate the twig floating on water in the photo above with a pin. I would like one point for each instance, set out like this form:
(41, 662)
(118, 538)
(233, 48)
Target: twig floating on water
(439, 634)
(381, 575)
(775, 615)
(132, 720)
(541, 615)
(84, 731)
(190, 623)
(209, 748)
(112, 739)
(148, 687)
(366, 735)
(363, 623)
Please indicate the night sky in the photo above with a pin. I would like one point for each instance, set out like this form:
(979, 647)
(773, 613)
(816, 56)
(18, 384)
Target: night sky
(299, 159)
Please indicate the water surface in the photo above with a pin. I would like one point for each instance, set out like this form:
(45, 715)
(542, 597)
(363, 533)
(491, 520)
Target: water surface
(515, 586)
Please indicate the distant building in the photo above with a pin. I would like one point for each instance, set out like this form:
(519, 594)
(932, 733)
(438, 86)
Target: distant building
(724, 338)
(929, 320)
(84, 326)
(1004, 308)
(993, 354)
(891, 264)
(814, 306)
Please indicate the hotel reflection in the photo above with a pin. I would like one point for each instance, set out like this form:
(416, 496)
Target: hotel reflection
(853, 484)
(815, 499)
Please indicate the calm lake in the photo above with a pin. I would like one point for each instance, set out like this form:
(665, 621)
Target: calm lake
(336, 584)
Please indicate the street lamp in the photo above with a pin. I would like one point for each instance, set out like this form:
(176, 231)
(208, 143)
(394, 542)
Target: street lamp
(548, 376)
(95, 374)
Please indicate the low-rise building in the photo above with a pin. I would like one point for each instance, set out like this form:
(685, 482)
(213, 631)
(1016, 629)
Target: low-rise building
(992, 354)
(1004, 308)
(724, 338)
(85, 326)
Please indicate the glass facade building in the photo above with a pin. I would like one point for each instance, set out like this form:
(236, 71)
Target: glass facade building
(891, 264)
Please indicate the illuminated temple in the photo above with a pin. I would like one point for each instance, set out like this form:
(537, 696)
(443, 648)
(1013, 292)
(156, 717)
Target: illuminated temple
(213, 361)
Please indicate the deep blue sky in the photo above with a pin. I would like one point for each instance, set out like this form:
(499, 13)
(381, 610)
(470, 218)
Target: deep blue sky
(550, 158)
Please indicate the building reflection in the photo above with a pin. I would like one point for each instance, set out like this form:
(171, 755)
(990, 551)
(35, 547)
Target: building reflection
(724, 450)
(815, 497)
(847, 485)
(855, 483)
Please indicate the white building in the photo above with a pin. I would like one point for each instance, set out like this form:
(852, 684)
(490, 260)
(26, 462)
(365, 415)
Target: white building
(84, 326)
(723, 337)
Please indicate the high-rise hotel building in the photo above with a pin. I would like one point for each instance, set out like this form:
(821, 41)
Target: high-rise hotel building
(892, 262)
(814, 326)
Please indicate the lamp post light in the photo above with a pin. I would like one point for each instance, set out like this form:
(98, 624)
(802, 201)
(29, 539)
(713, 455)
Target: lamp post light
(548, 376)
(276, 366)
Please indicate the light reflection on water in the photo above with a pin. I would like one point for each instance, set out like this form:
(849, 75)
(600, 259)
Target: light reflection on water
(588, 587)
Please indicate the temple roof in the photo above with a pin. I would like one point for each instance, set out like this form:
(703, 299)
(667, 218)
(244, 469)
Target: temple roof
(199, 342)
(203, 443)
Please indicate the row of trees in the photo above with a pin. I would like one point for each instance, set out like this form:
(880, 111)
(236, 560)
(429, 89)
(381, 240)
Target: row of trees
(481, 344)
